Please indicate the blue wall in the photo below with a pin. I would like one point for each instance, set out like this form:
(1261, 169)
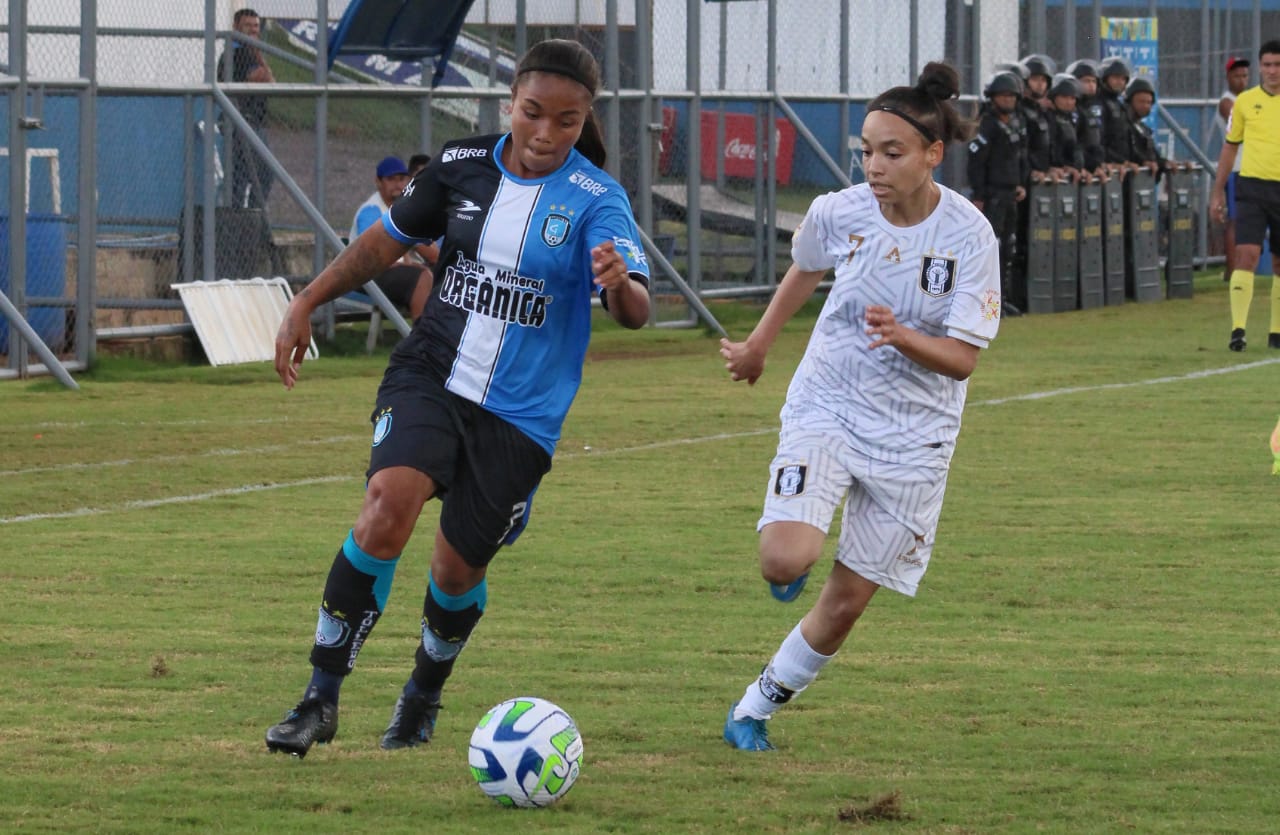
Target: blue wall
(140, 156)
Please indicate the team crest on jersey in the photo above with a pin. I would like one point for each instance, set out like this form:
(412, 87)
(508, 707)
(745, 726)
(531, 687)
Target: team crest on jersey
(790, 480)
(555, 229)
(937, 275)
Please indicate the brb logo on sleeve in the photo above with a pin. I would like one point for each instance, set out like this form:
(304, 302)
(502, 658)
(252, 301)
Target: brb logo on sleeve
(454, 154)
(585, 183)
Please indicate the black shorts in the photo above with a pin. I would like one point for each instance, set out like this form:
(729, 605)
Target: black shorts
(485, 469)
(1257, 209)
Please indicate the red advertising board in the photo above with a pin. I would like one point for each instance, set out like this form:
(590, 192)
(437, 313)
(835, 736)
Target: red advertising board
(738, 149)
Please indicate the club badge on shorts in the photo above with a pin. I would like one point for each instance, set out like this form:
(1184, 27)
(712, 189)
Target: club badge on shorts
(382, 427)
(790, 480)
(937, 275)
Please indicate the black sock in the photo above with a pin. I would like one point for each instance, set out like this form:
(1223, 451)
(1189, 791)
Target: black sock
(447, 622)
(354, 596)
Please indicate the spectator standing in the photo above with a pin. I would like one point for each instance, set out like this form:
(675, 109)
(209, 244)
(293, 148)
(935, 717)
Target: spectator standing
(1237, 81)
(1254, 127)
(251, 177)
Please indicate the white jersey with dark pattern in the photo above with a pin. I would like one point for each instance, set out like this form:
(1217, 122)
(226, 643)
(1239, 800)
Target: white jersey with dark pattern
(940, 277)
(509, 316)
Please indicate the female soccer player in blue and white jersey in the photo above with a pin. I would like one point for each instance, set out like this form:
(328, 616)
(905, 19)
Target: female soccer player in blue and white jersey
(873, 411)
(472, 402)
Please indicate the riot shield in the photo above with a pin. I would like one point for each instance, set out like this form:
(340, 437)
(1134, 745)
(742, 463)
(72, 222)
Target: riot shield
(1179, 266)
(1142, 273)
(1113, 238)
(1091, 246)
(1041, 220)
(1066, 280)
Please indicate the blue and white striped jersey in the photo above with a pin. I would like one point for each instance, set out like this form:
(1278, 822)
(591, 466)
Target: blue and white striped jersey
(509, 317)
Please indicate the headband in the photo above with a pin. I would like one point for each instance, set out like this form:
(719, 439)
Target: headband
(567, 73)
(909, 119)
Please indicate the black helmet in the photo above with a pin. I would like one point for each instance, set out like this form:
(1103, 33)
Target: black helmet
(1139, 84)
(1015, 68)
(1065, 84)
(1002, 82)
(1084, 68)
(1038, 64)
(1115, 65)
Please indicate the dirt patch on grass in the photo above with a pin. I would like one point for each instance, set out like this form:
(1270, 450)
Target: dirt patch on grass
(886, 808)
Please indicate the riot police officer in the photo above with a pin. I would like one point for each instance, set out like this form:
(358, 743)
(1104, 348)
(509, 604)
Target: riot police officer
(1113, 76)
(1065, 153)
(1140, 99)
(997, 169)
(1089, 125)
(1035, 113)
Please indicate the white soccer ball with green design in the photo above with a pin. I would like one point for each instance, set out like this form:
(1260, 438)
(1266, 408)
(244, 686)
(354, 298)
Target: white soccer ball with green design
(525, 752)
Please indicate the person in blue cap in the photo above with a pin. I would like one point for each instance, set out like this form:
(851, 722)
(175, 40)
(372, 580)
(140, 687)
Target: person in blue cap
(407, 283)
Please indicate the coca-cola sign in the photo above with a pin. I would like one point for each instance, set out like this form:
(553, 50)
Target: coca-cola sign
(738, 151)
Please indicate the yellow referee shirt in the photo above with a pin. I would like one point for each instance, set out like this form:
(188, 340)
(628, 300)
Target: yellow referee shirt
(1255, 121)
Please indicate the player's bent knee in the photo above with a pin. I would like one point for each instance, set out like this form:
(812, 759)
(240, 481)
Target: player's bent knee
(788, 549)
(390, 511)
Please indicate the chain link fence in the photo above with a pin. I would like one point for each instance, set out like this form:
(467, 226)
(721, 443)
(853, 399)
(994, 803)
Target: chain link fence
(728, 118)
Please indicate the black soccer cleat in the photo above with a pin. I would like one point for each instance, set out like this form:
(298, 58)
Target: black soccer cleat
(1273, 340)
(1237, 342)
(313, 720)
(412, 722)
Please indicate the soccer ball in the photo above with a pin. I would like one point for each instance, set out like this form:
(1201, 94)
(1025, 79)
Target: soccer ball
(525, 752)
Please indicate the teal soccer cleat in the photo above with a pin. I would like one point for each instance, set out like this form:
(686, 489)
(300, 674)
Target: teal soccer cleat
(790, 591)
(746, 734)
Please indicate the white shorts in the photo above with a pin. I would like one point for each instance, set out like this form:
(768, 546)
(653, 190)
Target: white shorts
(890, 513)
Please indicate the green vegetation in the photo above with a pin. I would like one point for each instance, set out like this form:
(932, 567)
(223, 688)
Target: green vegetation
(1095, 647)
(392, 121)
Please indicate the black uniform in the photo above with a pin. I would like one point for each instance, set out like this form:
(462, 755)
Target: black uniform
(1143, 148)
(1036, 119)
(1065, 151)
(1089, 131)
(1115, 128)
(997, 165)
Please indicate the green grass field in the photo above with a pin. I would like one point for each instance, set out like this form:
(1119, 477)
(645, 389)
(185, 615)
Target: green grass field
(1095, 647)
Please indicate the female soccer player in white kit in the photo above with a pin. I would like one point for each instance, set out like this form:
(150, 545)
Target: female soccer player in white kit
(873, 411)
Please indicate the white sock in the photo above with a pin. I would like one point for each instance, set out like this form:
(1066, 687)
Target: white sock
(792, 669)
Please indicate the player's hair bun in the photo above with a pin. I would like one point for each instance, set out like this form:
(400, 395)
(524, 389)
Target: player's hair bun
(939, 81)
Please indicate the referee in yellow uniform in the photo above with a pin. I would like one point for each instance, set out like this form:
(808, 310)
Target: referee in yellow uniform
(1255, 124)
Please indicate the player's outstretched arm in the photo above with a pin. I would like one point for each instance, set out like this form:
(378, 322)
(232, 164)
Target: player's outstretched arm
(745, 360)
(359, 263)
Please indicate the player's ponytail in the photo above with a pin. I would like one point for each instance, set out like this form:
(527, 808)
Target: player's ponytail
(928, 106)
(571, 60)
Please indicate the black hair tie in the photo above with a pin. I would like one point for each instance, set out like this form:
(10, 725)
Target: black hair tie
(564, 71)
(909, 119)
